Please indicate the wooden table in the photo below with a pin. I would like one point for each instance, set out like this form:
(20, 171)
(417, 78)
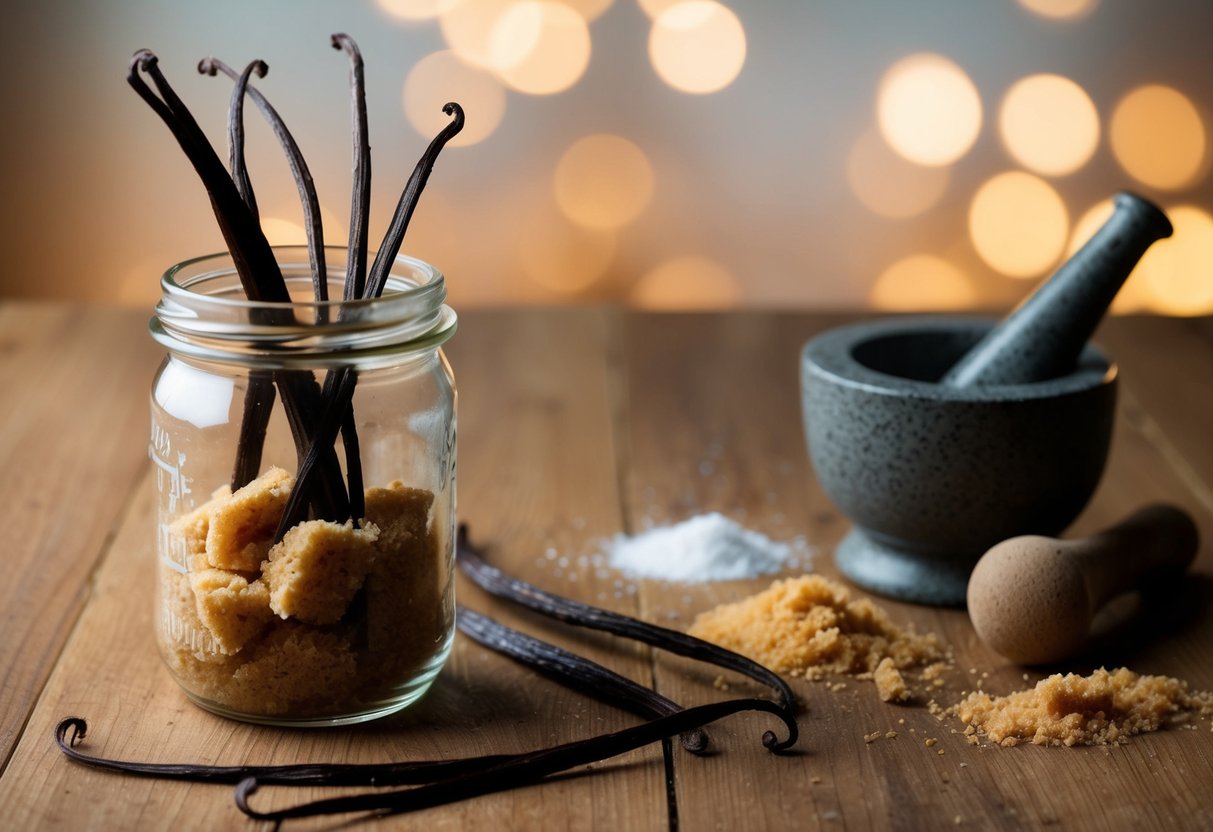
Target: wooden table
(575, 424)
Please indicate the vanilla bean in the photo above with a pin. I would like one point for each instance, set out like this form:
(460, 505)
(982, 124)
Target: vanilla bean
(255, 263)
(340, 383)
(307, 409)
(497, 583)
(337, 395)
(390, 247)
(353, 464)
(299, 172)
(518, 771)
(251, 253)
(296, 774)
(573, 671)
(254, 420)
(360, 199)
(355, 270)
(235, 136)
(249, 447)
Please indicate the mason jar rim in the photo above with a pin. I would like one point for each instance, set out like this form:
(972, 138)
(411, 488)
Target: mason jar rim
(225, 325)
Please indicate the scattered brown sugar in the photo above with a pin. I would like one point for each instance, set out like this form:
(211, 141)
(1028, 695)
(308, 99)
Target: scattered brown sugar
(1104, 708)
(811, 626)
(890, 685)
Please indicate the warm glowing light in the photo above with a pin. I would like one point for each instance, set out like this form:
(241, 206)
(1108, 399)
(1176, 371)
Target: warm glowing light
(540, 47)
(562, 257)
(928, 109)
(1060, 9)
(1089, 223)
(887, 184)
(603, 182)
(1049, 124)
(468, 28)
(1178, 271)
(416, 9)
(282, 232)
(654, 8)
(589, 9)
(1018, 224)
(686, 283)
(441, 77)
(1158, 138)
(697, 46)
(922, 283)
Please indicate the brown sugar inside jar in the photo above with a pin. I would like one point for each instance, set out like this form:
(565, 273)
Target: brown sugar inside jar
(345, 611)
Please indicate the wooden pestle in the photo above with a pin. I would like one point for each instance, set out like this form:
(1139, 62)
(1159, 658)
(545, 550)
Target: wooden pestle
(1043, 337)
(1032, 598)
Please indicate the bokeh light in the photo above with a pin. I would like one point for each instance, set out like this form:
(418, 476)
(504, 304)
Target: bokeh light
(654, 8)
(687, 282)
(441, 77)
(561, 256)
(922, 283)
(1178, 271)
(589, 9)
(928, 109)
(603, 181)
(540, 47)
(1049, 124)
(284, 232)
(416, 9)
(1158, 138)
(1090, 222)
(1060, 9)
(468, 29)
(697, 46)
(889, 185)
(1018, 224)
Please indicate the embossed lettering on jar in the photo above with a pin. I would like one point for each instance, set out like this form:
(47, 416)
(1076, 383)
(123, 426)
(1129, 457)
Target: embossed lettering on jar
(344, 611)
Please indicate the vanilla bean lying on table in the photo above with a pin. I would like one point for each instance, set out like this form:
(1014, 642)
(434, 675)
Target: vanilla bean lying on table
(73, 729)
(497, 583)
(574, 671)
(520, 770)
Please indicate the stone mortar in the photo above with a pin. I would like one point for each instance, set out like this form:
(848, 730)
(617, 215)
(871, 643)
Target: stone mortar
(932, 476)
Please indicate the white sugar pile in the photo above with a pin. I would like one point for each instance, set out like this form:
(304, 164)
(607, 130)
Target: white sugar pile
(709, 547)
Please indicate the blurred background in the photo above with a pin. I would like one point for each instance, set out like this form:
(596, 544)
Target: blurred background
(926, 155)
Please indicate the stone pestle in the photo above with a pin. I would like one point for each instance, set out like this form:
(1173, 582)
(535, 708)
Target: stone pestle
(1043, 337)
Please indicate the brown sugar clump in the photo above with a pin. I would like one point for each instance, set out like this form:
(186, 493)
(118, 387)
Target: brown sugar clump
(191, 529)
(810, 626)
(241, 527)
(231, 608)
(1104, 708)
(890, 685)
(316, 570)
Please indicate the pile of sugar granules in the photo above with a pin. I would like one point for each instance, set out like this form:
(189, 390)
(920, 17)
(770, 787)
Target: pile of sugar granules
(707, 547)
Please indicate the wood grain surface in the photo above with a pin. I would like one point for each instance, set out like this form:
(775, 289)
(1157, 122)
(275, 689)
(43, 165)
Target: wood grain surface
(575, 425)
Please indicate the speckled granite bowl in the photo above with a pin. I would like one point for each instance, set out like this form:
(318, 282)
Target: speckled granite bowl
(932, 476)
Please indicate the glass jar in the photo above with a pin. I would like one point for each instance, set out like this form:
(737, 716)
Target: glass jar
(346, 613)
